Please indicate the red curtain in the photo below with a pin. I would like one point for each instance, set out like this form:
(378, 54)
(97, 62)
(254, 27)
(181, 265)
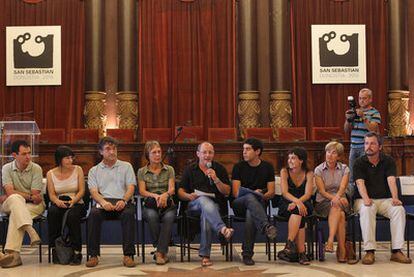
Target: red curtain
(52, 106)
(325, 105)
(187, 63)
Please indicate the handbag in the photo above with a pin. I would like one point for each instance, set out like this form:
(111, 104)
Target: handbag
(63, 248)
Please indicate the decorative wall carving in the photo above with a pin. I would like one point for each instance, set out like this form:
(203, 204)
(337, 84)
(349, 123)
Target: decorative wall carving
(398, 113)
(280, 111)
(127, 102)
(248, 110)
(94, 111)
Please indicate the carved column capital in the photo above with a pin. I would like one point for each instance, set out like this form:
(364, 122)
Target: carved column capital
(248, 110)
(398, 113)
(94, 111)
(127, 102)
(280, 110)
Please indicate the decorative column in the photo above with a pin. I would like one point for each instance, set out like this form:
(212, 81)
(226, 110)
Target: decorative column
(398, 93)
(94, 110)
(127, 97)
(248, 106)
(280, 64)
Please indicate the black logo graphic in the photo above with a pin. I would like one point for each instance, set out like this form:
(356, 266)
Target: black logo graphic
(330, 58)
(25, 60)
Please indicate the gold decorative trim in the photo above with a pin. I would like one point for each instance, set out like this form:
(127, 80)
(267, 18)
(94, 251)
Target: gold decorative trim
(127, 104)
(248, 111)
(399, 115)
(94, 110)
(280, 109)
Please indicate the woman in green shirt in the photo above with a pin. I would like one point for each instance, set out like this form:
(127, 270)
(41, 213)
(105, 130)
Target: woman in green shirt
(156, 182)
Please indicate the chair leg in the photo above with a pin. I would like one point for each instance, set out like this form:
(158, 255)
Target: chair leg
(181, 241)
(407, 230)
(188, 238)
(87, 240)
(137, 238)
(40, 244)
(231, 241)
(143, 241)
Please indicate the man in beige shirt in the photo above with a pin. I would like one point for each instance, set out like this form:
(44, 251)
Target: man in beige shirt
(22, 184)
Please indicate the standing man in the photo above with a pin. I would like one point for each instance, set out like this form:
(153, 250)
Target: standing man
(255, 178)
(360, 121)
(206, 185)
(22, 183)
(377, 194)
(112, 184)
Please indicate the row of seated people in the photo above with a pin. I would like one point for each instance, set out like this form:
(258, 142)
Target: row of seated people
(205, 185)
(191, 134)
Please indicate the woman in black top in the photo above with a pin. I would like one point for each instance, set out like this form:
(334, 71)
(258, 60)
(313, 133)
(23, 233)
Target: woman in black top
(296, 184)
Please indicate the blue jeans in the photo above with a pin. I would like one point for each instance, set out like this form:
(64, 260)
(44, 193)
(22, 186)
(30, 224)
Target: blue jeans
(160, 226)
(253, 210)
(210, 219)
(354, 153)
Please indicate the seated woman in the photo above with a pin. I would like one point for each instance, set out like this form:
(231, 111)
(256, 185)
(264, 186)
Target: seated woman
(66, 187)
(156, 182)
(332, 179)
(296, 185)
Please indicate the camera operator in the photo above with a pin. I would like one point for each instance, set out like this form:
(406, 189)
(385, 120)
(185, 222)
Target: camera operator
(360, 121)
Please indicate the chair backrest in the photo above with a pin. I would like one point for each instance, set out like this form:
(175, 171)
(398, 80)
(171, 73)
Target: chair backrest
(122, 135)
(292, 134)
(84, 135)
(54, 136)
(327, 133)
(222, 134)
(162, 135)
(190, 133)
(264, 134)
(405, 185)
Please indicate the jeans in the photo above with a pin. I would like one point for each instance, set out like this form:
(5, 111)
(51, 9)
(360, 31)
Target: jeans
(253, 210)
(73, 222)
(160, 225)
(210, 219)
(127, 217)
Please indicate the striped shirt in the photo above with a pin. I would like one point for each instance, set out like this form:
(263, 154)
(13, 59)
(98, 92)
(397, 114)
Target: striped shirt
(359, 129)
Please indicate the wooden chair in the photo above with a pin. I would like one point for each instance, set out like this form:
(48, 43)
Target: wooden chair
(122, 135)
(84, 136)
(292, 134)
(53, 136)
(222, 134)
(327, 133)
(190, 133)
(159, 134)
(264, 134)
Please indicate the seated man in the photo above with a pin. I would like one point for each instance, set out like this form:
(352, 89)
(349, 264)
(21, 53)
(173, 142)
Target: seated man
(209, 177)
(257, 177)
(112, 184)
(374, 174)
(22, 183)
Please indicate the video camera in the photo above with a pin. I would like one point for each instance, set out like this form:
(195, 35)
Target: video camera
(352, 112)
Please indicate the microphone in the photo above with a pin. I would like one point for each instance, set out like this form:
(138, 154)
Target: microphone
(209, 165)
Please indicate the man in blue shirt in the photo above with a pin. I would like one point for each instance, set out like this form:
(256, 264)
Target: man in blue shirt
(112, 184)
(361, 121)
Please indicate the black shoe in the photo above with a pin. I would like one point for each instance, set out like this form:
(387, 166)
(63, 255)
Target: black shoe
(248, 260)
(303, 259)
(77, 259)
(55, 259)
(270, 231)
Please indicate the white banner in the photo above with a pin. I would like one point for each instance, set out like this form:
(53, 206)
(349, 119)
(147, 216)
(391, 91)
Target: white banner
(33, 56)
(338, 54)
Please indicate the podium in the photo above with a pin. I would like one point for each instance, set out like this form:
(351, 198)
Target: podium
(11, 131)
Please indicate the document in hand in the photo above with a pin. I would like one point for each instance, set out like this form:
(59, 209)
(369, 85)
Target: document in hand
(202, 193)
(244, 191)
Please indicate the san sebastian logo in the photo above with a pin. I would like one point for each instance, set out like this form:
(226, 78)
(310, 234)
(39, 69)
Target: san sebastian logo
(26, 59)
(329, 58)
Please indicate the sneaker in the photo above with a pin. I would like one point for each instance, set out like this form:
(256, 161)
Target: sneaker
(303, 259)
(77, 259)
(369, 258)
(270, 231)
(15, 261)
(5, 258)
(399, 257)
(93, 261)
(248, 260)
(128, 261)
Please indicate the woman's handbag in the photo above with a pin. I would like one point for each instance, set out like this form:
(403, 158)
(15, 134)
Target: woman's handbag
(63, 248)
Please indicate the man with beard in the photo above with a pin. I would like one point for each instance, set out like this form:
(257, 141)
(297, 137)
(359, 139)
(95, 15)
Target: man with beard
(378, 194)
